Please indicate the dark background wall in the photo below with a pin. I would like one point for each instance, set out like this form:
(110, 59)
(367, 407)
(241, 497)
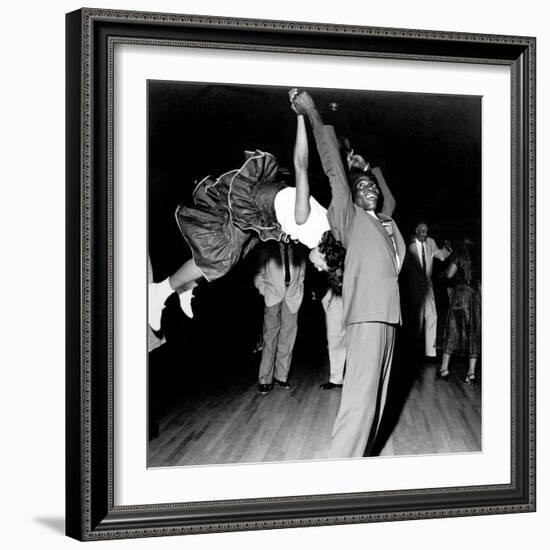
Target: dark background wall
(428, 146)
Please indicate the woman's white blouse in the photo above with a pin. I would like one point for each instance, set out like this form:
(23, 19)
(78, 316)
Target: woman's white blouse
(308, 233)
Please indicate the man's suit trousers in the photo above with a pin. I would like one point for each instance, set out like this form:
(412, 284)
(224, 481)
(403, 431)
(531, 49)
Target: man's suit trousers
(280, 327)
(336, 336)
(368, 362)
(428, 318)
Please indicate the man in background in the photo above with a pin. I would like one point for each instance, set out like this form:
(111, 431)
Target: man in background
(422, 252)
(280, 281)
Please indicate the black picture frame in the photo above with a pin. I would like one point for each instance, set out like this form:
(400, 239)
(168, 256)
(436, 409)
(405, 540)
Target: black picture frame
(90, 510)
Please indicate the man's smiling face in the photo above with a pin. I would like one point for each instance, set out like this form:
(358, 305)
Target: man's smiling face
(366, 193)
(421, 232)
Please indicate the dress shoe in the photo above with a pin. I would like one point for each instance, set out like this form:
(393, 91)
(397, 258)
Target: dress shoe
(280, 384)
(443, 375)
(258, 347)
(264, 389)
(329, 386)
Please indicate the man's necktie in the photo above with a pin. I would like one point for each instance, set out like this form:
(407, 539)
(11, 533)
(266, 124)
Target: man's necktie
(424, 258)
(389, 230)
(287, 265)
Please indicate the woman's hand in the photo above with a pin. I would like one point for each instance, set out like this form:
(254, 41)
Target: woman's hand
(291, 95)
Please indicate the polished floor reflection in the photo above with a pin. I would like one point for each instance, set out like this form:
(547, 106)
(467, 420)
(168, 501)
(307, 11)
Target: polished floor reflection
(228, 422)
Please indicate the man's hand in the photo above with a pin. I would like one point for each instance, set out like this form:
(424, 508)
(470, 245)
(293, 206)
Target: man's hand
(356, 161)
(302, 102)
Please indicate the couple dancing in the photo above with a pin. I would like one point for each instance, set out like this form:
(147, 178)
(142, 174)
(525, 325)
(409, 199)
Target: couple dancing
(235, 210)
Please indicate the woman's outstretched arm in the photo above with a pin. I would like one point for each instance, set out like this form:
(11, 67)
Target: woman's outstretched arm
(301, 163)
(341, 212)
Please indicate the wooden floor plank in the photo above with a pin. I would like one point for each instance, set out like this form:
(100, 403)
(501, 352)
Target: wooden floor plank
(234, 424)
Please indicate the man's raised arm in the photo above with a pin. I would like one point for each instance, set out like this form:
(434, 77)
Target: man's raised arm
(389, 200)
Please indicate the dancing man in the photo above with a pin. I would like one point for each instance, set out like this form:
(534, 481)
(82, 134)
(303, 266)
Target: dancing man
(375, 253)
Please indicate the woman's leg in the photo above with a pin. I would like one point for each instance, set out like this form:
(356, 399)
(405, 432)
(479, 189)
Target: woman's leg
(444, 369)
(471, 376)
(183, 280)
(186, 274)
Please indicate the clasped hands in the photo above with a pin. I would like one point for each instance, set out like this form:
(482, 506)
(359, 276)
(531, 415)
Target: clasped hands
(301, 102)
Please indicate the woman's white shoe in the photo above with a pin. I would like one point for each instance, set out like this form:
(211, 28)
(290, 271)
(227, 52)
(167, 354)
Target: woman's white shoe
(185, 302)
(157, 296)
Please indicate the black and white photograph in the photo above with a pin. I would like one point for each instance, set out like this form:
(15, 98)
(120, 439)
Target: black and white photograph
(299, 306)
(314, 274)
(229, 196)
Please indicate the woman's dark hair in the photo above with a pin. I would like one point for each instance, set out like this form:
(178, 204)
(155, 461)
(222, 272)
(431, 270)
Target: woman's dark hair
(334, 254)
(467, 254)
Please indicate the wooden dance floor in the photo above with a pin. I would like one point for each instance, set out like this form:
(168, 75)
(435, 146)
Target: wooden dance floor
(230, 423)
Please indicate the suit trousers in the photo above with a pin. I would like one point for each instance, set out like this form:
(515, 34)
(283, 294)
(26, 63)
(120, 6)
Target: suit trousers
(336, 336)
(280, 327)
(428, 318)
(368, 364)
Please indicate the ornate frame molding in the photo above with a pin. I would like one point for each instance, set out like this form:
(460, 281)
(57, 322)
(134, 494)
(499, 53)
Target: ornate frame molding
(91, 36)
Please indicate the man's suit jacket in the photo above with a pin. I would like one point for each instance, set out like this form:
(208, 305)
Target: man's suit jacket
(370, 290)
(431, 252)
(270, 279)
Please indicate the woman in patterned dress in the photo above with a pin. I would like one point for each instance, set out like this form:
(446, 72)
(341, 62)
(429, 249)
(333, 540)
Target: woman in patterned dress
(232, 212)
(462, 333)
